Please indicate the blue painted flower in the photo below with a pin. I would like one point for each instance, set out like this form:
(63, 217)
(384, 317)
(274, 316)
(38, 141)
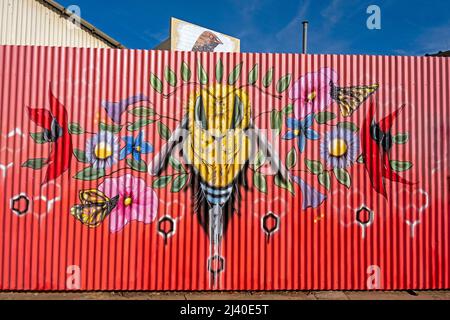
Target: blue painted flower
(135, 146)
(300, 129)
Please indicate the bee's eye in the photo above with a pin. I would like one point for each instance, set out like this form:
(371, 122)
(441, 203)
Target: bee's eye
(199, 113)
(238, 112)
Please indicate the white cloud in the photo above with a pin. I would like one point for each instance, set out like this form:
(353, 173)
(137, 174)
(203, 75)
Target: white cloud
(289, 35)
(293, 26)
(333, 12)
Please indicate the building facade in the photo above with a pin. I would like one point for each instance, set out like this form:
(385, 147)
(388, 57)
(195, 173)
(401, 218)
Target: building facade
(47, 23)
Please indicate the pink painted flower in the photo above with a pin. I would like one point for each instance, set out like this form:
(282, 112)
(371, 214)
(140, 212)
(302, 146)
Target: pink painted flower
(136, 201)
(311, 93)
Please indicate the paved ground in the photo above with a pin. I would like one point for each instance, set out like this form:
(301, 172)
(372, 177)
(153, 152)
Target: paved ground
(298, 295)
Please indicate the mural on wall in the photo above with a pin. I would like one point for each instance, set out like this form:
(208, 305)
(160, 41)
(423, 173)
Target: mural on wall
(159, 170)
(221, 147)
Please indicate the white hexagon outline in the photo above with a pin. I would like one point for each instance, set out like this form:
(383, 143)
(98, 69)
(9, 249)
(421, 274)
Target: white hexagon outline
(280, 214)
(171, 203)
(49, 206)
(12, 133)
(4, 168)
(413, 205)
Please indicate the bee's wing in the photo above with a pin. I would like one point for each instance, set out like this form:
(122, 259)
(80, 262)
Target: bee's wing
(276, 163)
(162, 156)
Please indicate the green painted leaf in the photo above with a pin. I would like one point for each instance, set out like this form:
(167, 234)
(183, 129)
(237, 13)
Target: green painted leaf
(253, 75)
(260, 182)
(179, 182)
(185, 72)
(170, 76)
(75, 128)
(176, 164)
(324, 117)
(140, 166)
(80, 155)
(259, 159)
(342, 177)
(142, 112)
(401, 138)
(89, 174)
(288, 109)
(314, 166)
(348, 125)
(267, 79)
(283, 83)
(161, 182)
(38, 137)
(35, 164)
(360, 159)
(276, 121)
(219, 70)
(284, 184)
(202, 76)
(291, 159)
(156, 83)
(400, 166)
(235, 74)
(164, 131)
(138, 124)
(324, 179)
(114, 128)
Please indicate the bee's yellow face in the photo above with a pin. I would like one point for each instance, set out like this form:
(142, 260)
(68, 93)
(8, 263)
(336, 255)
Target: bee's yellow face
(217, 146)
(221, 111)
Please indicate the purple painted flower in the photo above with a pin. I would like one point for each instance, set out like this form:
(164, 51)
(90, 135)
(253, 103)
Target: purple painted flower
(340, 148)
(311, 198)
(300, 129)
(312, 92)
(102, 150)
(115, 109)
(136, 201)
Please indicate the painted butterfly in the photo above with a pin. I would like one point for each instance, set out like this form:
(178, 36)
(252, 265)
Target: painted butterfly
(350, 98)
(94, 208)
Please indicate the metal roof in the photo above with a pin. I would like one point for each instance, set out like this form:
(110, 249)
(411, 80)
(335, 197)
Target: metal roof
(84, 24)
(439, 54)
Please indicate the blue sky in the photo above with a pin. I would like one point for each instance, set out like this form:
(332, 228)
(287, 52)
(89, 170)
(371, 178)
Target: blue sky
(337, 26)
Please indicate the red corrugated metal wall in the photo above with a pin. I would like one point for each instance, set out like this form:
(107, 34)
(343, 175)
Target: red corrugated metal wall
(363, 143)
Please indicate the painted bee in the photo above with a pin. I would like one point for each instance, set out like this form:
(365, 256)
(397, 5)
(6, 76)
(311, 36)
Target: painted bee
(218, 138)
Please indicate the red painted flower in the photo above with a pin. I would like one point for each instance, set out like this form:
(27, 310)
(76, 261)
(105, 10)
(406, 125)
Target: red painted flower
(376, 143)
